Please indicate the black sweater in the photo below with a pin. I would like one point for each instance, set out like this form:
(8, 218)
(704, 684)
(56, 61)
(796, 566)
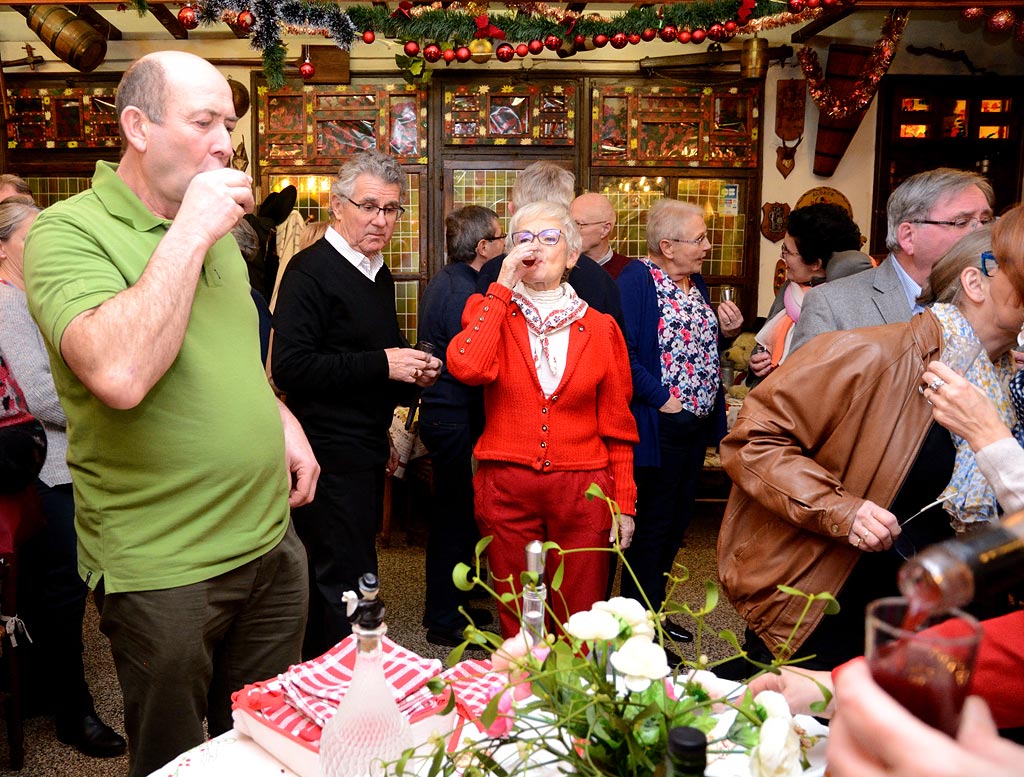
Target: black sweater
(331, 326)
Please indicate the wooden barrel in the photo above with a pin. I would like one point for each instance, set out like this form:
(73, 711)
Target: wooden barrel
(72, 39)
(845, 65)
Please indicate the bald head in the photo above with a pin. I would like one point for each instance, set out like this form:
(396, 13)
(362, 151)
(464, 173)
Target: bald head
(595, 216)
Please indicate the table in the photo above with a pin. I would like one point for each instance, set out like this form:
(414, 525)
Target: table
(232, 753)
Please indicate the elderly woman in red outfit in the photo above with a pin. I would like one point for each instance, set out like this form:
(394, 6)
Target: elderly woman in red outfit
(556, 397)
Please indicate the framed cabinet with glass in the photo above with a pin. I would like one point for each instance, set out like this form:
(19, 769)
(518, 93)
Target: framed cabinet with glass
(970, 123)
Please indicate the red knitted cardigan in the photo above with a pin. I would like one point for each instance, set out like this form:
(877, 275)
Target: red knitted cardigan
(585, 424)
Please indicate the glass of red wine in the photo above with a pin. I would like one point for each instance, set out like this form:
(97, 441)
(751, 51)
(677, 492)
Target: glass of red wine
(922, 659)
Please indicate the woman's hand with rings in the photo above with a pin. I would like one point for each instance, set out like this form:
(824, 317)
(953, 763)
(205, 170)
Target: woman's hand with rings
(961, 407)
(874, 528)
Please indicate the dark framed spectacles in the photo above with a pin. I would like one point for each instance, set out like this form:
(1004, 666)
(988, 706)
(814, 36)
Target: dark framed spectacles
(787, 253)
(547, 237)
(694, 242)
(961, 223)
(497, 237)
(371, 210)
(582, 224)
(989, 265)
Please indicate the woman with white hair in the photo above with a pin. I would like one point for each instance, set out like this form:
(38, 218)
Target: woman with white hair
(672, 333)
(556, 384)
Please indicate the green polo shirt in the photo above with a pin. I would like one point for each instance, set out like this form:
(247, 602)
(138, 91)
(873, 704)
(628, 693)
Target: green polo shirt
(192, 482)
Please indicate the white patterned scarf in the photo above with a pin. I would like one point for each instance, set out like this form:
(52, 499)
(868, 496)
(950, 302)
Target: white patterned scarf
(969, 499)
(547, 312)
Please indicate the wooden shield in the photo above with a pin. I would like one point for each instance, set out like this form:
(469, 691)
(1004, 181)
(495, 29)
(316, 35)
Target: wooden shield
(773, 222)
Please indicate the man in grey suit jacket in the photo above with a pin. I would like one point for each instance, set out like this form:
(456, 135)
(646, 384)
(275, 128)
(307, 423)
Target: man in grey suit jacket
(927, 214)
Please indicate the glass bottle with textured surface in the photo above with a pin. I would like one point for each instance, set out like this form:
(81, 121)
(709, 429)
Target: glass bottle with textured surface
(687, 752)
(534, 595)
(367, 729)
(961, 570)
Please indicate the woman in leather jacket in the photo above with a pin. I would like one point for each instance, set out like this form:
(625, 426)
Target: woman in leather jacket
(839, 445)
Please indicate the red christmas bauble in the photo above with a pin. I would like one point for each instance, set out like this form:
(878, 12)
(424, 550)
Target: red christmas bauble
(535, 46)
(717, 32)
(411, 48)
(649, 34)
(683, 36)
(448, 55)
(1001, 20)
(552, 42)
(600, 40)
(522, 50)
(619, 40)
(972, 14)
(306, 70)
(698, 36)
(731, 27)
(795, 6)
(462, 54)
(504, 52)
(579, 40)
(187, 17)
(812, 3)
(369, 37)
(246, 20)
(668, 33)
(633, 38)
(432, 52)
(830, 3)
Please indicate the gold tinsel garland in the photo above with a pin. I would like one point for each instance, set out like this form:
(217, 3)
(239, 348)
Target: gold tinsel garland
(841, 106)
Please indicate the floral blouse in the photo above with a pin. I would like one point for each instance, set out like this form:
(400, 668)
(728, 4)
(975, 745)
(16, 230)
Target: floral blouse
(688, 336)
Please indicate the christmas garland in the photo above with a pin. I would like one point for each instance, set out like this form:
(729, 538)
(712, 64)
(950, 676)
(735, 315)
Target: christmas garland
(850, 102)
(446, 31)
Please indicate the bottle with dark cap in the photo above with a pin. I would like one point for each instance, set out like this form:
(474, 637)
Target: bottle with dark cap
(687, 752)
(367, 729)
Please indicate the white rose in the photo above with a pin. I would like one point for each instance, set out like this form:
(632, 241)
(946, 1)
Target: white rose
(777, 754)
(775, 704)
(593, 624)
(640, 661)
(632, 613)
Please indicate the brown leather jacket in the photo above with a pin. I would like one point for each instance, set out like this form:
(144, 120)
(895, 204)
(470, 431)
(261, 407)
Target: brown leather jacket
(839, 422)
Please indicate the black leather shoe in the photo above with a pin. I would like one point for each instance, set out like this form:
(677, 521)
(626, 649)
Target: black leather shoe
(672, 658)
(450, 638)
(480, 616)
(676, 632)
(91, 736)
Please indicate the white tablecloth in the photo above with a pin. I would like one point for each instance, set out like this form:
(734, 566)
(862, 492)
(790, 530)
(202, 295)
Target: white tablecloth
(232, 754)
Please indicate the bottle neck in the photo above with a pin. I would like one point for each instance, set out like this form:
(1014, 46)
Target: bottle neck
(369, 642)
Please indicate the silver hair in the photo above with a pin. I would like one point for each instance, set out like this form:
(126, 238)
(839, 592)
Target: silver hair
(373, 163)
(548, 210)
(13, 212)
(663, 221)
(543, 181)
(914, 199)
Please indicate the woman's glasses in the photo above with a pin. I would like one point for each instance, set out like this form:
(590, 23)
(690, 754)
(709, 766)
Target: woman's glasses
(903, 544)
(547, 237)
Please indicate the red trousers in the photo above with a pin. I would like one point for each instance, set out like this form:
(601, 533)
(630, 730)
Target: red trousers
(516, 504)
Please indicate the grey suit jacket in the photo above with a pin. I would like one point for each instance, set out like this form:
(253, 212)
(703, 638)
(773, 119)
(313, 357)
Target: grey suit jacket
(869, 298)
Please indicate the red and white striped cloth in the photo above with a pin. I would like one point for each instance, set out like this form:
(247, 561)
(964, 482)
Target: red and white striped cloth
(300, 701)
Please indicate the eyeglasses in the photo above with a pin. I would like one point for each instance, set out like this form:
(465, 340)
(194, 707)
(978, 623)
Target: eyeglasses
(904, 546)
(960, 223)
(582, 224)
(989, 265)
(547, 237)
(786, 253)
(497, 237)
(369, 209)
(695, 241)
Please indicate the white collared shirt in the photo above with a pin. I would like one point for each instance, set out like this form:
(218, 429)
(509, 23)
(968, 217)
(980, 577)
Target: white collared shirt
(604, 259)
(367, 265)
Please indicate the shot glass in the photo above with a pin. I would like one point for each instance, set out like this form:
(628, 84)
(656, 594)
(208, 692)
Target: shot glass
(923, 660)
(727, 293)
(959, 352)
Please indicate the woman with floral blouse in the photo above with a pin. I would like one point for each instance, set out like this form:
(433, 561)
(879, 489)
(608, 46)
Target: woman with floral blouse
(672, 334)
